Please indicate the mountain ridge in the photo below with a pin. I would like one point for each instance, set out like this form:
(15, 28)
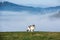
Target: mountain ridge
(8, 6)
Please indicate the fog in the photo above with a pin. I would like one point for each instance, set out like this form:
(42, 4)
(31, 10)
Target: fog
(19, 21)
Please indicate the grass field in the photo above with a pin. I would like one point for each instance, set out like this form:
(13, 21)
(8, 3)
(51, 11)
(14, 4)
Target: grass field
(29, 35)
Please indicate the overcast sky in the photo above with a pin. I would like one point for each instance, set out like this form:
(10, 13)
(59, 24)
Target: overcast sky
(36, 3)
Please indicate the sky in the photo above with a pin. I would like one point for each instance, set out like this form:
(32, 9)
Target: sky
(36, 3)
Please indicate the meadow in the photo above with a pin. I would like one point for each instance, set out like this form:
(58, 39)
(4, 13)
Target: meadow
(29, 35)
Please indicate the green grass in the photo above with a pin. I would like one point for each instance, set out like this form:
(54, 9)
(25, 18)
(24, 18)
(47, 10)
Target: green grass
(29, 35)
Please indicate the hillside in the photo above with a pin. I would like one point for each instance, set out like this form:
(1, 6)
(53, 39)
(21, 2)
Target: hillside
(57, 15)
(29, 35)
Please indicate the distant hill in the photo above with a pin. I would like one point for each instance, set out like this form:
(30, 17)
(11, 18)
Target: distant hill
(57, 15)
(14, 7)
(8, 6)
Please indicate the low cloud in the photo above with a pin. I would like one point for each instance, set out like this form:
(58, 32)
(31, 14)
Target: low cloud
(18, 21)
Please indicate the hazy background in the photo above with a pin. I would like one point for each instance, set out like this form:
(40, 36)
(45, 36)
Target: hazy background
(19, 20)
